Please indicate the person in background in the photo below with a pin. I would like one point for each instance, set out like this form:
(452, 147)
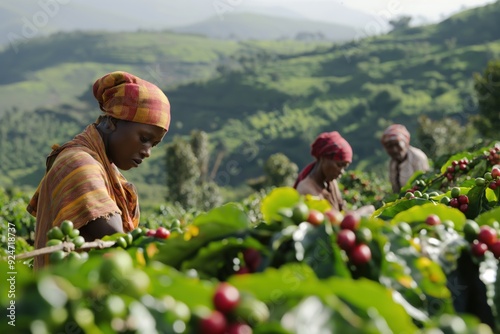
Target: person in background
(82, 182)
(405, 159)
(333, 155)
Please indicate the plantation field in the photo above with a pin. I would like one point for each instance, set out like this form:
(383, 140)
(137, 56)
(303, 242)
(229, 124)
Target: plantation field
(276, 262)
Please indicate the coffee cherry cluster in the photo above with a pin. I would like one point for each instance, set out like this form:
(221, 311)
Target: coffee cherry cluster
(493, 178)
(252, 260)
(458, 201)
(416, 186)
(481, 239)
(353, 240)
(160, 233)
(234, 313)
(64, 233)
(456, 167)
(411, 194)
(493, 155)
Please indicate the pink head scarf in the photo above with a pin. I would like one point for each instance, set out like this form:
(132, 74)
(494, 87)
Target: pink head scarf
(327, 144)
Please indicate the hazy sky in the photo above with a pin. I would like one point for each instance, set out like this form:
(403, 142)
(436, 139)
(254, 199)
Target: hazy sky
(432, 9)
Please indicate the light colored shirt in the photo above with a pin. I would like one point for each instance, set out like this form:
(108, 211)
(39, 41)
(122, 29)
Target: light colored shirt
(416, 160)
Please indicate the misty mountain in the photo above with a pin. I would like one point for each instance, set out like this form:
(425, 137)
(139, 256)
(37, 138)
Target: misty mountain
(25, 19)
(261, 27)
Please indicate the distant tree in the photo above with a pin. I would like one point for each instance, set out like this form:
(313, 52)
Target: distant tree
(401, 22)
(444, 136)
(199, 145)
(182, 173)
(210, 196)
(487, 87)
(187, 162)
(280, 171)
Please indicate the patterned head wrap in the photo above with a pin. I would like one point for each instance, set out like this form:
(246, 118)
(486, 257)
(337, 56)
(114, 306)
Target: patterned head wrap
(332, 143)
(127, 97)
(327, 144)
(396, 132)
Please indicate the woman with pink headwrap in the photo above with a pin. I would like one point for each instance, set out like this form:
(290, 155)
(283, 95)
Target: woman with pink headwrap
(82, 182)
(405, 159)
(333, 155)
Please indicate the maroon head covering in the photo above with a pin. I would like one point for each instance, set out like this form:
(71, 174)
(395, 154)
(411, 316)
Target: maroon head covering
(330, 145)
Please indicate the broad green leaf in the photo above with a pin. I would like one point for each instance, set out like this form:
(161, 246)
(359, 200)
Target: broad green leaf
(492, 195)
(430, 278)
(316, 203)
(211, 258)
(390, 210)
(166, 281)
(487, 218)
(229, 215)
(313, 315)
(313, 245)
(476, 197)
(420, 213)
(340, 267)
(272, 285)
(284, 197)
(366, 294)
(478, 171)
(218, 223)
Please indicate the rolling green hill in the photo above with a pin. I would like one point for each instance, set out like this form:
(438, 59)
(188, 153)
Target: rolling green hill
(255, 98)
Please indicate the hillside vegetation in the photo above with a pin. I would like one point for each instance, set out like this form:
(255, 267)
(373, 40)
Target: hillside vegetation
(253, 98)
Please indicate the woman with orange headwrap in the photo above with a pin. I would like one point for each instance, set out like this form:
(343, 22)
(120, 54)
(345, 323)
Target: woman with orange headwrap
(405, 159)
(333, 154)
(82, 182)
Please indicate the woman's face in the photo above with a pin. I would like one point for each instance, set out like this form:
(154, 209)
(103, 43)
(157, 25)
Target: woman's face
(397, 149)
(130, 143)
(333, 169)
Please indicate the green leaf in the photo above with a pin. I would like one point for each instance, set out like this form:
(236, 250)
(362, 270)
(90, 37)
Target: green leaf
(275, 286)
(487, 218)
(366, 294)
(229, 215)
(211, 258)
(218, 223)
(420, 213)
(313, 245)
(476, 196)
(166, 281)
(492, 195)
(315, 203)
(311, 315)
(284, 197)
(390, 210)
(430, 277)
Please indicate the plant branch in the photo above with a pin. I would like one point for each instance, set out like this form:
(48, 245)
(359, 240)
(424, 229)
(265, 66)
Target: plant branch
(67, 247)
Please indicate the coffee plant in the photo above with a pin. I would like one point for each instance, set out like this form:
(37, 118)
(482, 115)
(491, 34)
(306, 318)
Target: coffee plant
(279, 262)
